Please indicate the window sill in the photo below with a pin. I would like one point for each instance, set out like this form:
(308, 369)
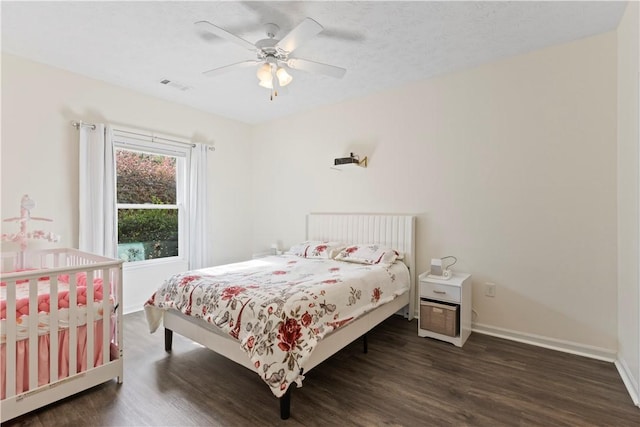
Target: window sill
(151, 262)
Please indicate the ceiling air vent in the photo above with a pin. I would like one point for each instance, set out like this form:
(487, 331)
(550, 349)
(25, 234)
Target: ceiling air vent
(175, 85)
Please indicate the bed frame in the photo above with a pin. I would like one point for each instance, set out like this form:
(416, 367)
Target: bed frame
(396, 231)
(53, 263)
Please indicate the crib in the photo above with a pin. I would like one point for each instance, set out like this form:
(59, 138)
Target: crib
(66, 333)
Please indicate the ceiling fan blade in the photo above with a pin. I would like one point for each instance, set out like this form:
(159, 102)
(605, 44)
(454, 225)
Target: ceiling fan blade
(303, 32)
(316, 67)
(231, 67)
(220, 32)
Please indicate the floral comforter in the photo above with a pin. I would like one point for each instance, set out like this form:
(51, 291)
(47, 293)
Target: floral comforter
(278, 308)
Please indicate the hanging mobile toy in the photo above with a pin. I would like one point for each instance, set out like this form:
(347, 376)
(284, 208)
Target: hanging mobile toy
(22, 237)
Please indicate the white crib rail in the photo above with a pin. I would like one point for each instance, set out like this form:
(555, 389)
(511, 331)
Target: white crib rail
(53, 263)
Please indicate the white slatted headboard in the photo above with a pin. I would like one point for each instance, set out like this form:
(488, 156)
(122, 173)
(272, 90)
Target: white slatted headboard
(395, 231)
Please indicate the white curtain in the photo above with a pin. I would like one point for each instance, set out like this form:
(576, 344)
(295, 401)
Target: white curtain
(97, 223)
(198, 241)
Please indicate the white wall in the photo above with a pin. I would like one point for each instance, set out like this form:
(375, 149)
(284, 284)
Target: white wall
(511, 167)
(40, 155)
(628, 198)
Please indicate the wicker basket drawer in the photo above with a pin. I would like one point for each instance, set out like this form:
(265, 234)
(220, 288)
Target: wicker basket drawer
(439, 317)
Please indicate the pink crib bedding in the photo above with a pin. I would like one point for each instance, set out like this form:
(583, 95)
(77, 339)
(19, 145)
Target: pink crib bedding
(44, 304)
(22, 357)
(44, 299)
(43, 321)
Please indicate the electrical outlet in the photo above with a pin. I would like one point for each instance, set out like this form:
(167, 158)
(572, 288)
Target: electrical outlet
(490, 289)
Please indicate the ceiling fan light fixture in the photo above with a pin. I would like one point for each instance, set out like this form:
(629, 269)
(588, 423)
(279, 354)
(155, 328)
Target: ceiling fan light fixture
(284, 78)
(264, 72)
(266, 83)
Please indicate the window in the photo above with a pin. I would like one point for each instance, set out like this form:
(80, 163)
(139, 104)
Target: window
(151, 196)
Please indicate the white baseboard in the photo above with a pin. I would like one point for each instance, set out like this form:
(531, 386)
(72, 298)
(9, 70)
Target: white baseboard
(550, 343)
(628, 380)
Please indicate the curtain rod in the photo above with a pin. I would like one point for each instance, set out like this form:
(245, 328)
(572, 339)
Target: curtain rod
(80, 123)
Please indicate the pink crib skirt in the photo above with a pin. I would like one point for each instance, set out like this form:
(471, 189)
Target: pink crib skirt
(22, 357)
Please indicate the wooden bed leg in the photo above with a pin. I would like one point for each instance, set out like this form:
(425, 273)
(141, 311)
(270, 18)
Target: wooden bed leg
(364, 341)
(285, 404)
(168, 339)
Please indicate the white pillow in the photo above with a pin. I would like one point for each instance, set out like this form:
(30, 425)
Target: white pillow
(316, 249)
(368, 254)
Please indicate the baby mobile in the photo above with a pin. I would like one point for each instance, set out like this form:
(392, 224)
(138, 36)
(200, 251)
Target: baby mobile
(22, 237)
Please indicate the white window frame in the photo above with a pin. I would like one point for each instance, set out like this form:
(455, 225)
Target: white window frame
(153, 144)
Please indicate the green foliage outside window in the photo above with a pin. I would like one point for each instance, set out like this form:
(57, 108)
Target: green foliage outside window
(156, 229)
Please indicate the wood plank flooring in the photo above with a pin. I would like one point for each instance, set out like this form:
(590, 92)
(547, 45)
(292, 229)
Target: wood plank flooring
(403, 380)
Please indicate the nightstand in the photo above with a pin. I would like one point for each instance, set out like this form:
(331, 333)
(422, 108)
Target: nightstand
(445, 308)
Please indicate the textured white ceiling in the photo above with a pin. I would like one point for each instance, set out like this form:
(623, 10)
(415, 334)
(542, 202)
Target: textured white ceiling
(381, 44)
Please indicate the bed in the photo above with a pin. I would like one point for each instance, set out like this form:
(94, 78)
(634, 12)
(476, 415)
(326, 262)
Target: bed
(288, 331)
(60, 326)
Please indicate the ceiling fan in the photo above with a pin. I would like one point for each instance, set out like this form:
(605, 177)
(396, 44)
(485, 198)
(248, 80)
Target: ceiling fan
(273, 58)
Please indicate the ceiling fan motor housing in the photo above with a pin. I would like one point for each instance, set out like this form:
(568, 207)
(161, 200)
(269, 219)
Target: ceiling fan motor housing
(267, 49)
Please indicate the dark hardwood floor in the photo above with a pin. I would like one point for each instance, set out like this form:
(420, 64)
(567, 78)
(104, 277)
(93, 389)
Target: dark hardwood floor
(403, 380)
